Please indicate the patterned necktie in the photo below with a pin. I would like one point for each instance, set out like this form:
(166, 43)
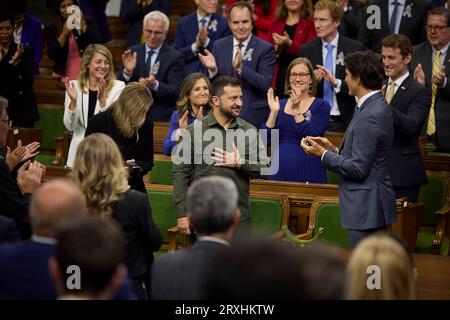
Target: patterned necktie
(148, 62)
(390, 92)
(327, 87)
(431, 126)
(393, 19)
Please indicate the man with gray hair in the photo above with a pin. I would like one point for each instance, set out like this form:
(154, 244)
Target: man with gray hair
(156, 65)
(213, 213)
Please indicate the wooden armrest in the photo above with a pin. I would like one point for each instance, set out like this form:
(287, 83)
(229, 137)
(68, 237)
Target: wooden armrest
(441, 221)
(173, 233)
(445, 210)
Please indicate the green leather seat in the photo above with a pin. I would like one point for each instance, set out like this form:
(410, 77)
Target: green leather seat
(161, 172)
(332, 177)
(51, 123)
(266, 216)
(328, 218)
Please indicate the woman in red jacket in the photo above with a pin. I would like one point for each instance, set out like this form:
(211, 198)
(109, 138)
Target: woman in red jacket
(293, 27)
(264, 15)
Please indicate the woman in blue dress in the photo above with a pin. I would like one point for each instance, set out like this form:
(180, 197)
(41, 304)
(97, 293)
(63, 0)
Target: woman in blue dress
(193, 103)
(298, 116)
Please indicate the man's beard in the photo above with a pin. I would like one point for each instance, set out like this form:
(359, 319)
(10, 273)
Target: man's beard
(227, 114)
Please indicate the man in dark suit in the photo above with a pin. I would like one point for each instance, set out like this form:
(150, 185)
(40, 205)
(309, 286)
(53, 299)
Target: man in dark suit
(197, 32)
(155, 65)
(406, 17)
(213, 213)
(24, 268)
(246, 57)
(327, 53)
(133, 11)
(366, 197)
(410, 104)
(431, 68)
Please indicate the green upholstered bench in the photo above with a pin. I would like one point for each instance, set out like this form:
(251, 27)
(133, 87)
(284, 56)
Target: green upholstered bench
(268, 215)
(161, 172)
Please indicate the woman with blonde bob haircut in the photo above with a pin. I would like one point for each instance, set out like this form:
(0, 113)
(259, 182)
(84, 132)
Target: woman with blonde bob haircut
(128, 124)
(100, 172)
(383, 256)
(93, 92)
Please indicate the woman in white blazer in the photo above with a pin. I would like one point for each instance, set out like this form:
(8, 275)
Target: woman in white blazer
(93, 92)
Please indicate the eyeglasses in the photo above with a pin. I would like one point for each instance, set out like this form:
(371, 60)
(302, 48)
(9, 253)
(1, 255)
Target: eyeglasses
(435, 28)
(301, 75)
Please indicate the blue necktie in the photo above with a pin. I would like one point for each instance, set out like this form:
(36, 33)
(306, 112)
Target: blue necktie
(327, 87)
(202, 22)
(393, 17)
(148, 62)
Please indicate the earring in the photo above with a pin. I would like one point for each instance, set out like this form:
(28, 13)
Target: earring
(310, 88)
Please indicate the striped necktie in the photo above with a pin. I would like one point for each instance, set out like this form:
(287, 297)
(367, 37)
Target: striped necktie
(431, 126)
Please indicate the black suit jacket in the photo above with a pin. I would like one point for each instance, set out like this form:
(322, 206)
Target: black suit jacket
(8, 230)
(410, 106)
(313, 51)
(134, 214)
(352, 20)
(141, 151)
(413, 27)
(423, 54)
(181, 275)
(170, 75)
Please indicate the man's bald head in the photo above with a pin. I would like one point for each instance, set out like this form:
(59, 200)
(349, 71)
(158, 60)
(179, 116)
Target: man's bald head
(53, 204)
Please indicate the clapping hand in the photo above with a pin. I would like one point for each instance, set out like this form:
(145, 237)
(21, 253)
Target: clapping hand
(129, 62)
(419, 75)
(29, 176)
(439, 78)
(274, 102)
(18, 54)
(208, 60)
(101, 92)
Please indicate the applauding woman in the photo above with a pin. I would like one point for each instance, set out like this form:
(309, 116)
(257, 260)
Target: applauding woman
(93, 92)
(193, 103)
(298, 116)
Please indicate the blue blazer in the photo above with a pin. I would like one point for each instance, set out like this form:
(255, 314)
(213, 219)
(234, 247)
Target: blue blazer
(170, 75)
(32, 36)
(186, 33)
(256, 75)
(366, 197)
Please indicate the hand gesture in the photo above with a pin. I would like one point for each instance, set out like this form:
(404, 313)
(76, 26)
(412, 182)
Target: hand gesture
(183, 121)
(129, 62)
(318, 74)
(13, 157)
(281, 41)
(439, 78)
(419, 75)
(237, 63)
(29, 176)
(183, 225)
(325, 143)
(63, 35)
(311, 147)
(102, 92)
(72, 93)
(327, 75)
(208, 60)
(203, 36)
(274, 102)
(295, 95)
(227, 159)
(199, 114)
(18, 54)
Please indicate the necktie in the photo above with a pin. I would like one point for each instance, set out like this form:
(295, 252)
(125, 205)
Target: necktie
(431, 126)
(202, 22)
(148, 62)
(239, 45)
(393, 19)
(327, 87)
(390, 92)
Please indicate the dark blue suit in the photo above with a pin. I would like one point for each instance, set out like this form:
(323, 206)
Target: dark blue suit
(186, 33)
(366, 197)
(170, 75)
(32, 36)
(256, 75)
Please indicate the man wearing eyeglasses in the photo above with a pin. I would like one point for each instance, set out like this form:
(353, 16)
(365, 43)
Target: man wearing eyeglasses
(156, 65)
(431, 68)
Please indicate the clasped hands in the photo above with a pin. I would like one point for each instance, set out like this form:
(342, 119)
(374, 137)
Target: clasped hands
(316, 146)
(437, 78)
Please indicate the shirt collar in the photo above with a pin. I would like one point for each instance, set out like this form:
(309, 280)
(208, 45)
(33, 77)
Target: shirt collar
(334, 42)
(400, 80)
(207, 18)
(245, 43)
(43, 240)
(214, 239)
(443, 49)
(365, 97)
(212, 121)
(156, 50)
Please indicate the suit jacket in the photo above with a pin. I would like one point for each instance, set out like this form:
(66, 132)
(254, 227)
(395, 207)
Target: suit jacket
(410, 106)
(256, 75)
(423, 54)
(313, 51)
(32, 36)
(8, 230)
(412, 26)
(133, 14)
(181, 275)
(16, 85)
(170, 75)
(141, 151)
(352, 20)
(96, 10)
(134, 214)
(304, 32)
(77, 121)
(366, 197)
(186, 33)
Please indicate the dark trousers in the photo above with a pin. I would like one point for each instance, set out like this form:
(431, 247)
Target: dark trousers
(411, 193)
(355, 236)
(141, 287)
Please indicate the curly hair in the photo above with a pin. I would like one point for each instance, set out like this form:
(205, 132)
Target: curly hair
(100, 172)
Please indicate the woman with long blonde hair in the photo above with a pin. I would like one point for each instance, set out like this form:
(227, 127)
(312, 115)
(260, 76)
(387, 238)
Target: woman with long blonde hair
(93, 92)
(100, 172)
(128, 124)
